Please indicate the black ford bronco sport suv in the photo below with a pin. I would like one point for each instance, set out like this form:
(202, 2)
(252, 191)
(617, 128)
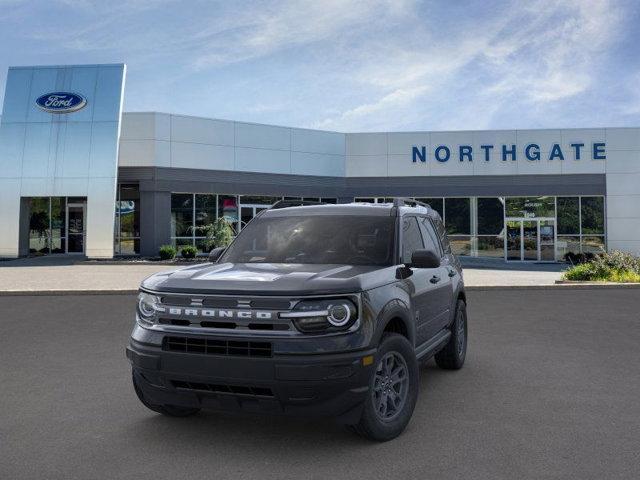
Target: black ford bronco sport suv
(314, 310)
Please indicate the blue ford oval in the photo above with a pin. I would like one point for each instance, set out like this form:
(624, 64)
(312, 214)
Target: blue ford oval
(61, 102)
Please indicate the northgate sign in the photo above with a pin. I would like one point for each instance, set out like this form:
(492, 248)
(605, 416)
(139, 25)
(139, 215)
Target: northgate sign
(531, 152)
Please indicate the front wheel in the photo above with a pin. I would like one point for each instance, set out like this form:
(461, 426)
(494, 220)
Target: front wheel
(452, 356)
(393, 390)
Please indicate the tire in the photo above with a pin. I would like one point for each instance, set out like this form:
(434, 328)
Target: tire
(169, 410)
(386, 415)
(452, 356)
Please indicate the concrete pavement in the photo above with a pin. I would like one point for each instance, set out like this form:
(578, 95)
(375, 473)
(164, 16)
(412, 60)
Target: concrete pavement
(64, 274)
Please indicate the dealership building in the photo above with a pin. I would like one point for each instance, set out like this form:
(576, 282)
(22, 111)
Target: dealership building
(80, 176)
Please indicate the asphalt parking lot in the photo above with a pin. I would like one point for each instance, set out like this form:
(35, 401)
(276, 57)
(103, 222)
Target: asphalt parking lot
(551, 389)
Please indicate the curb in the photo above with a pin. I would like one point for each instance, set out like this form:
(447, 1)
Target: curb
(556, 286)
(471, 288)
(22, 293)
(142, 262)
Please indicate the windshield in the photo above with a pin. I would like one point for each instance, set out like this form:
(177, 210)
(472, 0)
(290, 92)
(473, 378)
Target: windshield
(348, 240)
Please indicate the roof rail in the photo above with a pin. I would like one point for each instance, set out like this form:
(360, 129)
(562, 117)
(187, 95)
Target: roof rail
(408, 202)
(294, 203)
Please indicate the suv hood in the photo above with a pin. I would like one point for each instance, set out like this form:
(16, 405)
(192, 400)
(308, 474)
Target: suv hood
(270, 279)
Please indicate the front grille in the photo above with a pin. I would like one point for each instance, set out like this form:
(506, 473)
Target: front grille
(181, 322)
(209, 346)
(229, 389)
(268, 303)
(271, 303)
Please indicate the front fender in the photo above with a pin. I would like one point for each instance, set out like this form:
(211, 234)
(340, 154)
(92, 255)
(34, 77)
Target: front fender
(390, 304)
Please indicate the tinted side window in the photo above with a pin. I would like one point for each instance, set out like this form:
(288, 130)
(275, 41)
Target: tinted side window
(442, 234)
(429, 235)
(411, 238)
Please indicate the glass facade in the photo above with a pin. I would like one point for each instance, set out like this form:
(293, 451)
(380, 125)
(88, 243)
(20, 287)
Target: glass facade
(530, 207)
(581, 223)
(40, 235)
(127, 226)
(490, 227)
(56, 225)
(541, 228)
(189, 211)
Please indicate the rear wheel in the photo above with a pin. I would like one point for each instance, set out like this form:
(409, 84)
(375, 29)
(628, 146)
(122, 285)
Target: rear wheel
(393, 391)
(452, 356)
(169, 410)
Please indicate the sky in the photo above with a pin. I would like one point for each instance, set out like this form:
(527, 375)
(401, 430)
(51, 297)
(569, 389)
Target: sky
(351, 65)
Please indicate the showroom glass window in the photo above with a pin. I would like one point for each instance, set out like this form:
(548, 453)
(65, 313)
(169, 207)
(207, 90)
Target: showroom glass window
(581, 225)
(127, 227)
(530, 207)
(568, 240)
(191, 212)
(48, 224)
(592, 222)
(457, 220)
(40, 225)
(490, 239)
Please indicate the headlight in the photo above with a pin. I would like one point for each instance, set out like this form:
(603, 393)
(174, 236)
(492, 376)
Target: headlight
(320, 316)
(340, 314)
(148, 305)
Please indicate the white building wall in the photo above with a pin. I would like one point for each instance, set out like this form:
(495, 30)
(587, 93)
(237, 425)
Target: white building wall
(390, 154)
(164, 140)
(623, 189)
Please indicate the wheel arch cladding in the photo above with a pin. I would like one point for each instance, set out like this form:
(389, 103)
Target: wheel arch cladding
(461, 296)
(396, 318)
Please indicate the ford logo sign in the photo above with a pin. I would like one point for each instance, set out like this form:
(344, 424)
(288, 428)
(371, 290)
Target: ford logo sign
(61, 102)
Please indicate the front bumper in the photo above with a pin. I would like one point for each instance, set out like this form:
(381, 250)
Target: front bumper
(333, 384)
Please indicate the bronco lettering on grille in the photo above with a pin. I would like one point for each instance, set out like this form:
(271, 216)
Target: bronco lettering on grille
(219, 313)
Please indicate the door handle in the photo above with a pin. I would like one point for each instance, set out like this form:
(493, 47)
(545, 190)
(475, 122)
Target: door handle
(435, 279)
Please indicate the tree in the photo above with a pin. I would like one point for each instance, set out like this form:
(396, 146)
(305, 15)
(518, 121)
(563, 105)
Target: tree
(218, 233)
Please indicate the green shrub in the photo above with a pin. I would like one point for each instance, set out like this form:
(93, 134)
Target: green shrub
(624, 277)
(189, 251)
(607, 267)
(167, 252)
(617, 260)
(583, 271)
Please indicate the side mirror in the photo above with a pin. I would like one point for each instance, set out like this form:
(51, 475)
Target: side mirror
(215, 254)
(425, 259)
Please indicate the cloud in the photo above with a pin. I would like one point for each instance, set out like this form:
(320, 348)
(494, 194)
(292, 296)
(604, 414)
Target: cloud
(285, 25)
(397, 98)
(341, 64)
(551, 58)
(540, 54)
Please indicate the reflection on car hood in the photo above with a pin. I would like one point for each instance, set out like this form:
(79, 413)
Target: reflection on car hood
(270, 279)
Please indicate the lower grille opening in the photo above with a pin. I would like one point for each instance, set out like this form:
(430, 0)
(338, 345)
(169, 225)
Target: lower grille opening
(174, 321)
(229, 389)
(209, 346)
(261, 326)
(206, 324)
(268, 326)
